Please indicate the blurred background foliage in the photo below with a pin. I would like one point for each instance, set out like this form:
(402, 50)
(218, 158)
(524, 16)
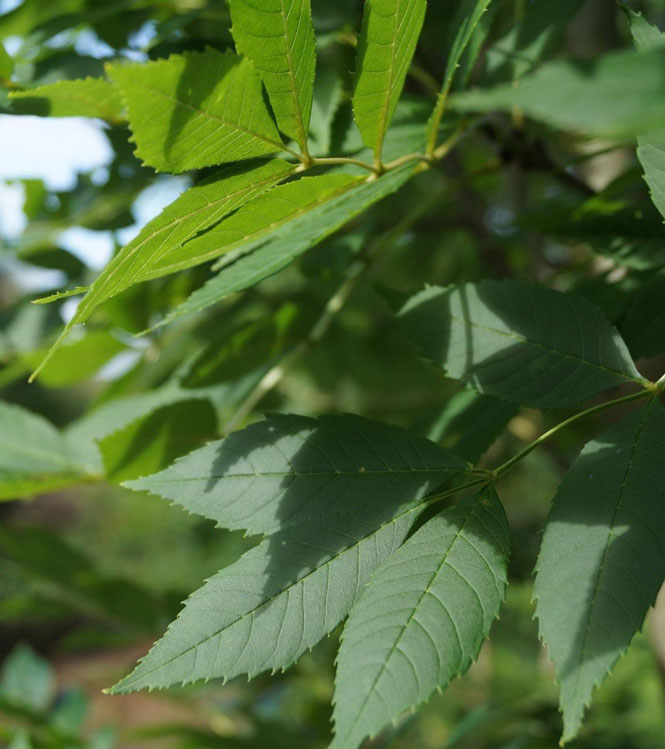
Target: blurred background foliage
(90, 576)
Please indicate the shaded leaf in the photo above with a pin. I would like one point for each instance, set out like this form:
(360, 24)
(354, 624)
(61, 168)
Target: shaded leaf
(422, 618)
(525, 343)
(278, 37)
(195, 110)
(286, 469)
(602, 559)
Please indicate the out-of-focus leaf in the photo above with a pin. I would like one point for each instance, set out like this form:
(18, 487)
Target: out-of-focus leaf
(88, 97)
(27, 680)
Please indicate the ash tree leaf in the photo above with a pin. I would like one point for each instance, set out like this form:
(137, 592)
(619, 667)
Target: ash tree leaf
(278, 37)
(34, 456)
(6, 64)
(602, 559)
(292, 218)
(342, 493)
(422, 618)
(197, 109)
(160, 247)
(286, 469)
(87, 97)
(650, 146)
(643, 323)
(616, 95)
(528, 344)
(390, 31)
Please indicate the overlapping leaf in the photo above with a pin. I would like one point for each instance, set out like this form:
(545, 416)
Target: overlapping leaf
(525, 343)
(602, 559)
(196, 110)
(341, 492)
(617, 95)
(278, 37)
(286, 469)
(332, 201)
(88, 97)
(386, 45)
(422, 619)
(161, 246)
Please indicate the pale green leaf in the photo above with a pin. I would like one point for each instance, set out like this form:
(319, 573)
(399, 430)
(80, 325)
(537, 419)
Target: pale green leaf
(87, 97)
(161, 247)
(34, 455)
(602, 559)
(197, 109)
(525, 343)
(333, 200)
(616, 95)
(422, 618)
(650, 146)
(278, 37)
(466, 20)
(286, 469)
(388, 39)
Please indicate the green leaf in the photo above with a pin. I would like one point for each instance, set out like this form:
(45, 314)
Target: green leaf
(466, 20)
(150, 444)
(27, 680)
(270, 607)
(332, 201)
(6, 64)
(343, 492)
(616, 95)
(278, 37)
(644, 321)
(286, 469)
(388, 39)
(87, 97)
(161, 247)
(602, 559)
(530, 40)
(530, 345)
(34, 456)
(650, 146)
(197, 109)
(422, 618)
(469, 423)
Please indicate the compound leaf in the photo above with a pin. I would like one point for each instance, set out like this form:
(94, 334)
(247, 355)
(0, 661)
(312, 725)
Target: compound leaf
(285, 469)
(388, 39)
(87, 97)
(197, 109)
(525, 343)
(602, 559)
(278, 37)
(422, 618)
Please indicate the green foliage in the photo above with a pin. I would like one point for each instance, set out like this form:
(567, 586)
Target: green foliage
(529, 345)
(423, 617)
(286, 277)
(277, 36)
(601, 530)
(89, 97)
(386, 45)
